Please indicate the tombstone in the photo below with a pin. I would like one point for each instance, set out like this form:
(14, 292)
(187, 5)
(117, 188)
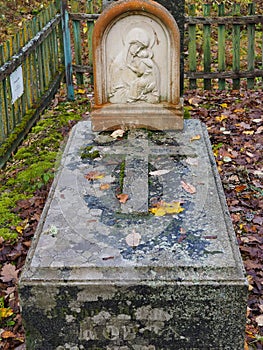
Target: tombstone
(136, 55)
(135, 248)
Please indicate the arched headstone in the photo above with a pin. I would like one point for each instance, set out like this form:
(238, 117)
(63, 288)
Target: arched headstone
(136, 48)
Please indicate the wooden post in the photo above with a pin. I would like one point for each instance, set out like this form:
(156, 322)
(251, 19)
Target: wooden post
(221, 47)
(67, 50)
(207, 47)
(236, 48)
(192, 47)
(251, 46)
(90, 31)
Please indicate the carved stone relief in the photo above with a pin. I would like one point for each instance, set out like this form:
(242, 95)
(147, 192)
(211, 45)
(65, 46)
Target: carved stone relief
(136, 69)
(136, 62)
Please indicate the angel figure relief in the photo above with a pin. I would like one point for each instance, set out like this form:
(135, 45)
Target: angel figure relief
(134, 75)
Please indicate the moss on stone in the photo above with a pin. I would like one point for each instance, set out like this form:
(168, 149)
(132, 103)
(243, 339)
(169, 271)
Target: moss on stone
(89, 153)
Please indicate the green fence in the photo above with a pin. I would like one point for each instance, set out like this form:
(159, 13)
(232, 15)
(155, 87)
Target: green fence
(30, 62)
(223, 46)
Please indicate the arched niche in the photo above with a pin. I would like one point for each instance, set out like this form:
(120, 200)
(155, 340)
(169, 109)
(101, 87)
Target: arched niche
(136, 60)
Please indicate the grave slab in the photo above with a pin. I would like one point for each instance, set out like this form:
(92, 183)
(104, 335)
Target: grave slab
(161, 271)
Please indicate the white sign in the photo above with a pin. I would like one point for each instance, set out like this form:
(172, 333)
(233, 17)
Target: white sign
(17, 84)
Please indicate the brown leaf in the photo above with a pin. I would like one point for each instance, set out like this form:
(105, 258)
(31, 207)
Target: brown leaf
(7, 334)
(104, 187)
(188, 187)
(9, 273)
(122, 197)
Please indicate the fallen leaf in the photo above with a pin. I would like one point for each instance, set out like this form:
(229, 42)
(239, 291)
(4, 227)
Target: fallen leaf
(5, 312)
(239, 110)
(227, 159)
(117, 133)
(9, 273)
(122, 197)
(133, 239)
(195, 138)
(194, 101)
(163, 208)
(250, 281)
(259, 130)
(259, 320)
(159, 172)
(246, 346)
(257, 120)
(104, 187)
(80, 91)
(94, 175)
(223, 105)
(7, 334)
(221, 118)
(240, 188)
(248, 132)
(188, 187)
(20, 228)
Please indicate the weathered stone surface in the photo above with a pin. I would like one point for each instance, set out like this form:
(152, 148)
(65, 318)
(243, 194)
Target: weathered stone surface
(136, 48)
(182, 286)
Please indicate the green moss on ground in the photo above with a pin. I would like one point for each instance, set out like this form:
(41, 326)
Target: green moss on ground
(35, 161)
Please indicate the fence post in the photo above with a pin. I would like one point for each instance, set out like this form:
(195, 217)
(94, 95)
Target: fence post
(67, 50)
(221, 47)
(236, 48)
(251, 46)
(207, 47)
(192, 47)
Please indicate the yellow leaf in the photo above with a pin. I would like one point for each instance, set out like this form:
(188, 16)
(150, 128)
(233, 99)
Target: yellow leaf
(94, 175)
(248, 132)
(223, 105)
(158, 211)
(19, 229)
(81, 91)
(85, 29)
(173, 208)
(196, 137)
(5, 312)
(164, 208)
(221, 118)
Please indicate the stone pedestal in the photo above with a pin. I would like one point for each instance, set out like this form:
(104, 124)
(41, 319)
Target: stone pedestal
(108, 275)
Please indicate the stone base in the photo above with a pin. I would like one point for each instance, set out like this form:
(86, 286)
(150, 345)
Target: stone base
(141, 115)
(88, 284)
